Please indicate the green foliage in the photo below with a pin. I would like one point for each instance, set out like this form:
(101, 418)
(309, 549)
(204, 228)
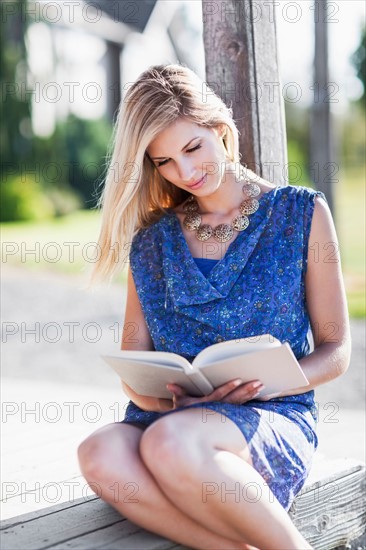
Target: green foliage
(297, 173)
(23, 199)
(65, 200)
(297, 130)
(353, 138)
(358, 59)
(356, 302)
(15, 107)
(75, 154)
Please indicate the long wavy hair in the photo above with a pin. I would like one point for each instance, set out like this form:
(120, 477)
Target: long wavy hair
(135, 195)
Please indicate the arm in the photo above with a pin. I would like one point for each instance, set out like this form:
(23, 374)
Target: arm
(135, 317)
(326, 304)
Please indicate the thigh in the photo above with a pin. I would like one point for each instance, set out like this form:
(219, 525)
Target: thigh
(191, 430)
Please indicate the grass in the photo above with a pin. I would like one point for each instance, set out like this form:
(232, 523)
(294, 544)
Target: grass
(81, 228)
(65, 245)
(350, 226)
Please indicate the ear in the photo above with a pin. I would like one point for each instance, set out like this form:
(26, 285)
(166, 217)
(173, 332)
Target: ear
(221, 130)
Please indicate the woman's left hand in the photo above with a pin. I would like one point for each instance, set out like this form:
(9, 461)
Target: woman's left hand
(235, 391)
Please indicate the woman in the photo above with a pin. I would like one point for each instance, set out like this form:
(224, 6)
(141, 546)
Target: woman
(217, 254)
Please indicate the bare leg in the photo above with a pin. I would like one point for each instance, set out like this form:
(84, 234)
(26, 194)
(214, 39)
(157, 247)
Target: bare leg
(110, 458)
(210, 455)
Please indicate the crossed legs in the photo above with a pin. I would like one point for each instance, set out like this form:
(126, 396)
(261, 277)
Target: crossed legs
(189, 481)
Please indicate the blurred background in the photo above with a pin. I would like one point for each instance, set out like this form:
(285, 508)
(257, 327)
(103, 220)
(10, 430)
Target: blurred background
(64, 69)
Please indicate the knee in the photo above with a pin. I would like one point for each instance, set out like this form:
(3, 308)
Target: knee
(95, 453)
(164, 447)
(158, 440)
(92, 456)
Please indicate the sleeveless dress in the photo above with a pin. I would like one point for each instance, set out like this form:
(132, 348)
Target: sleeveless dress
(258, 287)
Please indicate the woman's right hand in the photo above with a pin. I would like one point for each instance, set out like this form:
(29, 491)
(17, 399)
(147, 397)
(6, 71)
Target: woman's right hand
(146, 403)
(234, 391)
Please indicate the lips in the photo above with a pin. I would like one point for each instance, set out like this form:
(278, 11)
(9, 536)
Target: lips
(197, 182)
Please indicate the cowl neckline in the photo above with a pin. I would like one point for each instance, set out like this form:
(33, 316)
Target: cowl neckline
(186, 284)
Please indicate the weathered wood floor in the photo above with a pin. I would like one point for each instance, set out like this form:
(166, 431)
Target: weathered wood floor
(330, 511)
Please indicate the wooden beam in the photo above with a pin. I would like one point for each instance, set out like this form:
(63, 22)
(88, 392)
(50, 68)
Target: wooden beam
(242, 67)
(113, 70)
(79, 16)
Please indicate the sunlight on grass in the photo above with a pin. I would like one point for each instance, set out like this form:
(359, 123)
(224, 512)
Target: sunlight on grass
(350, 225)
(64, 245)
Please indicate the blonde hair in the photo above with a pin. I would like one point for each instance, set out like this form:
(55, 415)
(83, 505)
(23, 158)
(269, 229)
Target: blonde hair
(135, 195)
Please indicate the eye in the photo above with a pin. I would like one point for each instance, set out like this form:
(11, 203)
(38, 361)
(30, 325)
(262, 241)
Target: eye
(194, 148)
(188, 151)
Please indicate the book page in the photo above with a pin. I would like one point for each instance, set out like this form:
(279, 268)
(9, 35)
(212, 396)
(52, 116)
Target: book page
(148, 379)
(163, 358)
(277, 368)
(232, 348)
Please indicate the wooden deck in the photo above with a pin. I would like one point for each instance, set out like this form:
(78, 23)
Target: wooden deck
(330, 511)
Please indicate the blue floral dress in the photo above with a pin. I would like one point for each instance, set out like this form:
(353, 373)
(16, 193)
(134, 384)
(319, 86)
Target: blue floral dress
(257, 288)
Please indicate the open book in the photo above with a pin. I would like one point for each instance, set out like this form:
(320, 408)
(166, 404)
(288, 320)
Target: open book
(261, 357)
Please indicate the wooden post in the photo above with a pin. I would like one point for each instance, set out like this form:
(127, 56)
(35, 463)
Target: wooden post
(323, 169)
(242, 67)
(113, 69)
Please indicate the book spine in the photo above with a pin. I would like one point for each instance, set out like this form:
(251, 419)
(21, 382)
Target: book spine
(201, 382)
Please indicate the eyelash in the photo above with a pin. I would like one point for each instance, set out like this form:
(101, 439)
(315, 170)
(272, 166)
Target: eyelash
(188, 151)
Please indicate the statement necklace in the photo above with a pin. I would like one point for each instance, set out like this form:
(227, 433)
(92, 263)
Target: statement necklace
(224, 231)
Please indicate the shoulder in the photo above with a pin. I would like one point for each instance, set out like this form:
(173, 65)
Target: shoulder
(302, 197)
(284, 192)
(152, 228)
(322, 224)
(304, 192)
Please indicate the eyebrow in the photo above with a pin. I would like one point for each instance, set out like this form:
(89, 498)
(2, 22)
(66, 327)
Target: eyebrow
(159, 158)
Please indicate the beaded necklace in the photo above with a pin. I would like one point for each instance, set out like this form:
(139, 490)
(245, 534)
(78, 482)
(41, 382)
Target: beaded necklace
(224, 231)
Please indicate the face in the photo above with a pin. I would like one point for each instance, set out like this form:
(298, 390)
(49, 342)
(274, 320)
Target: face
(185, 153)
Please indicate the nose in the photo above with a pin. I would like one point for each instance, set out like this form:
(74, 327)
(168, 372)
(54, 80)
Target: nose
(186, 171)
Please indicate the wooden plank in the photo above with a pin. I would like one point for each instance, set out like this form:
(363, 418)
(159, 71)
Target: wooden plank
(31, 516)
(326, 471)
(331, 510)
(123, 535)
(356, 544)
(87, 524)
(59, 526)
(69, 490)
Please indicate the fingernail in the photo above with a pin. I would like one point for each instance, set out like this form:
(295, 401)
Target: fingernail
(257, 385)
(237, 382)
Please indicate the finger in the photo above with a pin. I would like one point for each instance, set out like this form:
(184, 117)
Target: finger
(175, 389)
(268, 397)
(220, 392)
(245, 389)
(245, 392)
